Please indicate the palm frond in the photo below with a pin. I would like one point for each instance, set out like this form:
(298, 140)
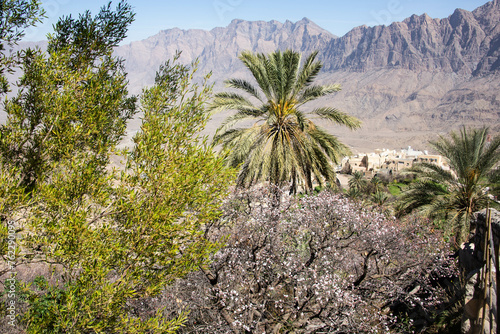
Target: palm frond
(291, 63)
(309, 71)
(241, 115)
(338, 117)
(422, 194)
(301, 119)
(285, 146)
(245, 86)
(457, 193)
(329, 143)
(238, 142)
(491, 155)
(316, 91)
(258, 66)
(432, 172)
(229, 101)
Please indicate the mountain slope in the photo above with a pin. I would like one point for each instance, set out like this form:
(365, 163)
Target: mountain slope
(464, 43)
(217, 50)
(421, 77)
(407, 82)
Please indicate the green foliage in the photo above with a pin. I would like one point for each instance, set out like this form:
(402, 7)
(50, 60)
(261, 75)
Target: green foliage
(494, 180)
(41, 311)
(377, 184)
(450, 320)
(64, 107)
(15, 17)
(89, 38)
(455, 194)
(116, 236)
(379, 197)
(283, 145)
(353, 193)
(54, 115)
(358, 182)
(126, 235)
(394, 189)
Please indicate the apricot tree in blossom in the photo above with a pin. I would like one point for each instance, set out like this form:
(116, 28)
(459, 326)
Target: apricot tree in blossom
(318, 263)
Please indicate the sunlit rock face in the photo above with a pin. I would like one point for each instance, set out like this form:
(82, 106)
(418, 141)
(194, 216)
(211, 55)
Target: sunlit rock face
(408, 82)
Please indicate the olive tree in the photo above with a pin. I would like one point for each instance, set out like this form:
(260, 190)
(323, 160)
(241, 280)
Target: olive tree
(109, 235)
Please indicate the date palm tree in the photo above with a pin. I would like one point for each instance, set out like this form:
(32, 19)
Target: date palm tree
(283, 146)
(358, 181)
(456, 193)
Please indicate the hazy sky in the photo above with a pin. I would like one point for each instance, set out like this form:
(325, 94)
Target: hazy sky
(336, 16)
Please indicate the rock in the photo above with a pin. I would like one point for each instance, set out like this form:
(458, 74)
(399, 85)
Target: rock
(474, 266)
(472, 304)
(408, 82)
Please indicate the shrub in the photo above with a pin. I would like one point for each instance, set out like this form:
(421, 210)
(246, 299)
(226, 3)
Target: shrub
(318, 263)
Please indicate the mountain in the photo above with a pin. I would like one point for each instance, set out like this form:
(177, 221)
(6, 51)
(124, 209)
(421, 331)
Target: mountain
(418, 78)
(217, 50)
(407, 82)
(465, 43)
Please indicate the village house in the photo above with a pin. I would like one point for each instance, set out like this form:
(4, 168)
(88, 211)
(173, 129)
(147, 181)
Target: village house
(388, 161)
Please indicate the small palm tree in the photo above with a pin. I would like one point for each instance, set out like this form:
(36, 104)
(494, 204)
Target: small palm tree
(379, 197)
(456, 193)
(377, 184)
(358, 181)
(353, 193)
(283, 145)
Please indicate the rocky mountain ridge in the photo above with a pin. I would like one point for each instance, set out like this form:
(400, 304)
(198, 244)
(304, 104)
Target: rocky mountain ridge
(217, 50)
(464, 43)
(407, 82)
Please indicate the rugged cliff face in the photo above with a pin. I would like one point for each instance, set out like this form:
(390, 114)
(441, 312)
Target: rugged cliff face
(408, 81)
(420, 77)
(464, 43)
(217, 50)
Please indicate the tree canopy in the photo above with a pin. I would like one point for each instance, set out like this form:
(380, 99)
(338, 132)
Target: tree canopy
(107, 235)
(456, 193)
(15, 17)
(64, 107)
(283, 145)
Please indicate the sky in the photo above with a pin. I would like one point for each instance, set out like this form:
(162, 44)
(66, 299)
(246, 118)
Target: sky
(336, 16)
